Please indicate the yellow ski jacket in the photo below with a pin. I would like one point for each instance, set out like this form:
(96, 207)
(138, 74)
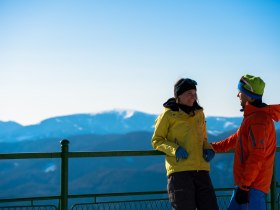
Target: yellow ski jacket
(177, 128)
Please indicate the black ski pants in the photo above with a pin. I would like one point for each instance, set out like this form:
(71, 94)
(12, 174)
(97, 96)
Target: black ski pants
(191, 190)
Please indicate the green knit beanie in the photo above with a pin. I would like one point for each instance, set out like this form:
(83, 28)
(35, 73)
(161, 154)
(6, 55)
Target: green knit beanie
(251, 86)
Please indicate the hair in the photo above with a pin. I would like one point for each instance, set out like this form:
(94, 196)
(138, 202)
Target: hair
(195, 106)
(175, 85)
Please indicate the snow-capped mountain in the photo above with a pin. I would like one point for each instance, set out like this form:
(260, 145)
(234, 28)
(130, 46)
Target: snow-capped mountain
(109, 122)
(218, 125)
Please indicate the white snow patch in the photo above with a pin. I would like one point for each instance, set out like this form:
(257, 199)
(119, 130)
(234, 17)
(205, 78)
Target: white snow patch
(214, 132)
(124, 112)
(129, 114)
(51, 168)
(229, 124)
(78, 127)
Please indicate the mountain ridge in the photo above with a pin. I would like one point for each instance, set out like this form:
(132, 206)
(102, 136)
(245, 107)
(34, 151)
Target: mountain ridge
(118, 122)
(108, 122)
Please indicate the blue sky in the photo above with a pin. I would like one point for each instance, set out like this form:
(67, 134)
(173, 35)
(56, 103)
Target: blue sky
(66, 57)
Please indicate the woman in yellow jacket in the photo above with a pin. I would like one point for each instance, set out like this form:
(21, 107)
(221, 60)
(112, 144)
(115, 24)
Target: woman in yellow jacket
(180, 132)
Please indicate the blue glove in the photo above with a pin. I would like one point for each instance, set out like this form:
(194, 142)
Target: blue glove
(208, 154)
(181, 153)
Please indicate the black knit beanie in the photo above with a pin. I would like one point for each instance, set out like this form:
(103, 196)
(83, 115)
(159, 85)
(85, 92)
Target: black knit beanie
(183, 85)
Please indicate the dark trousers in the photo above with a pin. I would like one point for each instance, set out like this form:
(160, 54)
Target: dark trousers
(191, 190)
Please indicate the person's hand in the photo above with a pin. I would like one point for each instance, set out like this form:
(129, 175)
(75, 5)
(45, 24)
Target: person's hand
(181, 153)
(208, 154)
(242, 196)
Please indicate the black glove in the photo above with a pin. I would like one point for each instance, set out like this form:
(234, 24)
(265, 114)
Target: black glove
(242, 196)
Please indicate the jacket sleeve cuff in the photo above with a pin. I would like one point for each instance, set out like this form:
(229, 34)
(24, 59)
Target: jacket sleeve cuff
(243, 187)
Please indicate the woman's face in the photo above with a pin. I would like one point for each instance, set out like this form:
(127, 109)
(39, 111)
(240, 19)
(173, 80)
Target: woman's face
(187, 98)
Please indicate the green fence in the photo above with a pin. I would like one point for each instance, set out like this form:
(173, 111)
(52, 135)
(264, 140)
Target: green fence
(31, 207)
(124, 200)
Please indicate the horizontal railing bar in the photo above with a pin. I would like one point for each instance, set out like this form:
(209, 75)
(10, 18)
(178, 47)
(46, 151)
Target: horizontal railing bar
(7, 200)
(80, 154)
(118, 194)
(30, 155)
(96, 195)
(114, 153)
(87, 154)
(135, 193)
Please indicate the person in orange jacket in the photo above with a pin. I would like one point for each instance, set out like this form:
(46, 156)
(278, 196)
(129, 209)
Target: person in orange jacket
(255, 146)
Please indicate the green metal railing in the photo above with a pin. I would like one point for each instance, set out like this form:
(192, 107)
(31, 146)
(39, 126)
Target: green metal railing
(64, 197)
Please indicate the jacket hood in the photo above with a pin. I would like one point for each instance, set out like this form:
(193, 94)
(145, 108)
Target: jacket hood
(272, 110)
(171, 104)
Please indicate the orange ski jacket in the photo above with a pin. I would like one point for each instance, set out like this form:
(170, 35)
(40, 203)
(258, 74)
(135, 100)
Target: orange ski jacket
(255, 146)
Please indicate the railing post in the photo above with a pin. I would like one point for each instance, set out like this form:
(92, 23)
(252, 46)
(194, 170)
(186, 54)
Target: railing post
(273, 188)
(64, 175)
